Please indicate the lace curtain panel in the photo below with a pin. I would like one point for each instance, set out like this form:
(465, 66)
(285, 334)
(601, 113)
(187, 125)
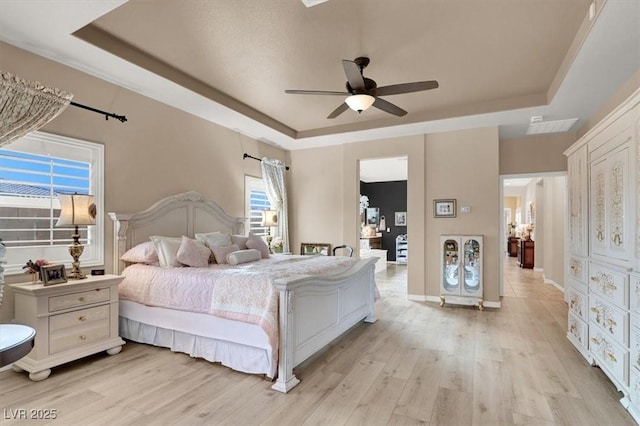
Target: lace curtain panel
(26, 106)
(273, 175)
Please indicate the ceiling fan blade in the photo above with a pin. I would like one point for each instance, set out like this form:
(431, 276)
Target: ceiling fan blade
(354, 76)
(389, 107)
(336, 112)
(396, 89)
(316, 92)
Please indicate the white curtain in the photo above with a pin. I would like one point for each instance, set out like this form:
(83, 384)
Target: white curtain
(26, 106)
(273, 175)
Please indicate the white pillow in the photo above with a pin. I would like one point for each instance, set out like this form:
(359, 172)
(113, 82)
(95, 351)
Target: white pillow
(214, 239)
(167, 248)
(243, 256)
(141, 253)
(193, 253)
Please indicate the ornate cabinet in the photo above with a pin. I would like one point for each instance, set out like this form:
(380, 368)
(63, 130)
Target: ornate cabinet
(577, 202)
(461, 270)
(603, 249)
(610, 209)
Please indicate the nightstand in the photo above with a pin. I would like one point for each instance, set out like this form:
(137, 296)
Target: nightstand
(72, 320)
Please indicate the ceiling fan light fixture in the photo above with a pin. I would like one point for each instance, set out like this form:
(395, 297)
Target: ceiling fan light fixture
(360, 102)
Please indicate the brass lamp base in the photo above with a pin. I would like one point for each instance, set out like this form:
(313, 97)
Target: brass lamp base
(75, 250)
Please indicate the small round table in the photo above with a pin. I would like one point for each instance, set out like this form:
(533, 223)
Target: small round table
(16, 341)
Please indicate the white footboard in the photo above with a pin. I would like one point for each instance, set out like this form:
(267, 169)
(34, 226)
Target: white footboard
(314, 310)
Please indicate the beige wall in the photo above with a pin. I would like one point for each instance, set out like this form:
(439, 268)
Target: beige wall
(464, 165)
(535, 154)
(315, 197)
(158, 152)
(511, 203)
(555, 193)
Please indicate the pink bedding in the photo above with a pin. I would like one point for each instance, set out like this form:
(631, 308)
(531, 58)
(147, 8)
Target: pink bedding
(243, 292)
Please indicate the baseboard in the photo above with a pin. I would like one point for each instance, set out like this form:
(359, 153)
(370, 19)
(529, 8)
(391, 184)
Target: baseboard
(538, 269)
(419, 298)
(553, 283)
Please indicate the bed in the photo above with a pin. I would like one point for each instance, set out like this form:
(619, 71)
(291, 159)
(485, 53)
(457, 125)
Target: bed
(311, 309)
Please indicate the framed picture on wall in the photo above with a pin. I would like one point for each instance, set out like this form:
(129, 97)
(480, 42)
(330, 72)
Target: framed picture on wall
(401, 218)
(444, 208)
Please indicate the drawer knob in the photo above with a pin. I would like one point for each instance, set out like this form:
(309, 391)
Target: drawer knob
(83, 337)
(81, 299)
(82, 318)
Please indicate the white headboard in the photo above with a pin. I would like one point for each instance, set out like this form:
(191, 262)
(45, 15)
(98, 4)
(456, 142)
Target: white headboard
(174, 216)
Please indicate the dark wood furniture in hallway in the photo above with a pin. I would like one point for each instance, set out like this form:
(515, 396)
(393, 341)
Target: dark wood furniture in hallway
(526, 254)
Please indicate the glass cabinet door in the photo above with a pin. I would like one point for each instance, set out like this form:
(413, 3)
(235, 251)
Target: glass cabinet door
(472, 264)
(451, 265)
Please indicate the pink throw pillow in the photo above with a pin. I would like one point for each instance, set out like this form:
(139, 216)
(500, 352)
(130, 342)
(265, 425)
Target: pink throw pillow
(257, 243)
(221, 252)
(193, 253)
(141, 253)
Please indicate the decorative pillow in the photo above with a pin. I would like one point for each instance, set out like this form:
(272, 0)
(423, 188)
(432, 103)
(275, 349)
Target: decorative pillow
(243, 256)
(214, 239)
(240, 241)
(193, 253)
(221, 252)
(167, 248)
(256, 242)
(141, 253)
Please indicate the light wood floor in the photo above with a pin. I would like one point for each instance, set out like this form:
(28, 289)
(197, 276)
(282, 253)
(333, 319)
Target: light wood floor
(419, 364)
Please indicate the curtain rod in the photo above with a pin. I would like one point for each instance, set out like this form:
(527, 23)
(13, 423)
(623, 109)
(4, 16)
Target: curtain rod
(122, 118)
(256, 158)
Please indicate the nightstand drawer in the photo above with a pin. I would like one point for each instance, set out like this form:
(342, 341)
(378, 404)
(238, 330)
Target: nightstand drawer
(57, 303)
(83, 316)
(71, 337)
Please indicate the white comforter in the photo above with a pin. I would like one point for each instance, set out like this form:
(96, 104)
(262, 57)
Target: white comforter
(244, 292)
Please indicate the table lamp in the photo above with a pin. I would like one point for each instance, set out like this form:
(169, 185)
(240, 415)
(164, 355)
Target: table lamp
(269, 219)
(75, 210)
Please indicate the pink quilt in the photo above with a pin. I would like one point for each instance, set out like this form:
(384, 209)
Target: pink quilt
(243, 293)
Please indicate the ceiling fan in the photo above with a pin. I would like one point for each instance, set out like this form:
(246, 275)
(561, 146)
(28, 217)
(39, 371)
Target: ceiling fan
(363, 92)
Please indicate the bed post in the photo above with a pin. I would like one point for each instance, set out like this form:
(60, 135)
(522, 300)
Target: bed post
(120, 227)
(286, 379)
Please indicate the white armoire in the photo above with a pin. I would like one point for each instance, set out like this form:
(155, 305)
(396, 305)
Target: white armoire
(603, 248)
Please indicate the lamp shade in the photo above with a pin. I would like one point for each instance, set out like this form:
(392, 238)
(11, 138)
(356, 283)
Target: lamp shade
(269, 218)
(76, 209)
(360, 102)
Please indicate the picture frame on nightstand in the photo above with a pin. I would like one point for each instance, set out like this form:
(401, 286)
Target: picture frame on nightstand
(53, 274)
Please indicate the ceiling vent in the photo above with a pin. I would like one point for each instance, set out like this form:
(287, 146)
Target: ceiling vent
(310, 3)
(537, 127)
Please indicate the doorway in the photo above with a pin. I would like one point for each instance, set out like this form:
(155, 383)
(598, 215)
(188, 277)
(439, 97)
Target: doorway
(538, 214)
(383, 213)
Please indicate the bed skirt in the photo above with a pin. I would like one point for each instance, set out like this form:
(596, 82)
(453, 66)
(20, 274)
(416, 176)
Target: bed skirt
(237, 356)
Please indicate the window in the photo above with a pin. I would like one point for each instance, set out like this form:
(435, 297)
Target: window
(33, 171)
(255, 201)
